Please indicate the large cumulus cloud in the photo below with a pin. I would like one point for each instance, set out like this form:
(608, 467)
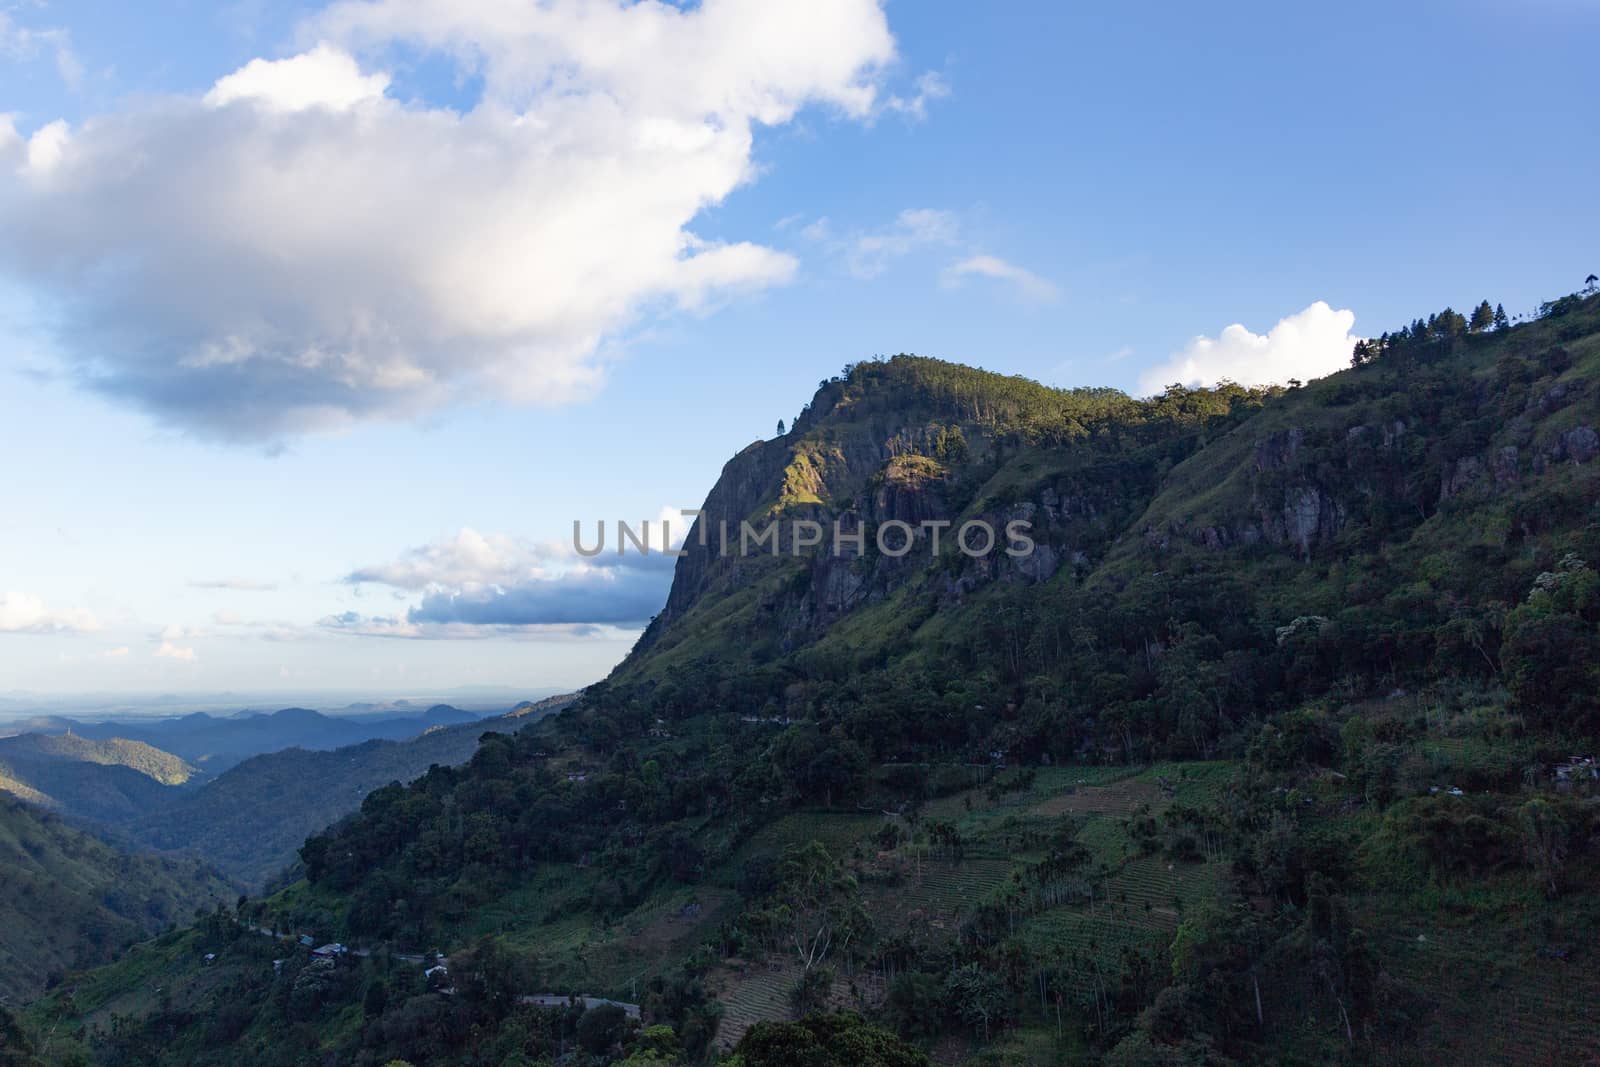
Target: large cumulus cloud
(1308, 344)
(297, 248)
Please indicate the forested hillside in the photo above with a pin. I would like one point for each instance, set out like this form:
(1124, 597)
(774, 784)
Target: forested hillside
(1271, 751)
(69, 901)
(251, 820)
(105, 781)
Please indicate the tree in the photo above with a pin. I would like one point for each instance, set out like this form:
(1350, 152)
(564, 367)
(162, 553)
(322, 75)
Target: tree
(821, 911)
(376, 999)
(781, 429)
(1545, 834)
(15, 1049)
(601, 1027)
(1500, 320)
(977, 996)
(914, 1005)
(824, 1041)
(1482, 318)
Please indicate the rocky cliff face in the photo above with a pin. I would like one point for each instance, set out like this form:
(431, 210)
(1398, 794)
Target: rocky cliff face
(1110, 485)
(878, 451)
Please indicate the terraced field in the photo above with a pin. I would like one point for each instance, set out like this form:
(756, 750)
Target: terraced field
(838, 831)
(1542, 1011)
(941, 894)
(1139, 899)
(754, 992)
(1117, 798)
(752, 995)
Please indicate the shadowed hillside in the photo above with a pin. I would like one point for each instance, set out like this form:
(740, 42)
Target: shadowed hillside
(251, 821)
(105, 781)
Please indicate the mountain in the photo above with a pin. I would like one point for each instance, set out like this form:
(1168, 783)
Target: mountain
(1277, 746)
(217, 743)
(101, 780)
(252, 819)
(69, 900)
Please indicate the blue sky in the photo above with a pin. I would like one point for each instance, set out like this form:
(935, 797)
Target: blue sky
(296, 350)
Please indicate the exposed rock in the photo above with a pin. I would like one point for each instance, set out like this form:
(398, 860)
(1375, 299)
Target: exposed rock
(1581, 444)
(1461, 475)
(1506, 472)
(1278, 449)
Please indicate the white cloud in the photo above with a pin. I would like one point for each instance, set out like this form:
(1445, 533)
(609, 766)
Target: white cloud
(297, 249)
(323, 77)
(496, 581)
(1305, 345)
(867, 254)
(1029, 286)
(181, 653)
(24, 613)
(870, 253)
(120, 652)
(23, 43)
(930, 86)
(234, 584)
(467, 558)
(177, 632)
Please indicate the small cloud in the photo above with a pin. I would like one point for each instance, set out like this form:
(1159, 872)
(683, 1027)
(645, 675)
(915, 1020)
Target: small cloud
(24, 43)
(867, 254)
(1305, 345)
(931, 86)
(177, 632)
(237, 585)
(24, 613)
(1029, 285)
(324, 77)
(181, 653)
(120, 652)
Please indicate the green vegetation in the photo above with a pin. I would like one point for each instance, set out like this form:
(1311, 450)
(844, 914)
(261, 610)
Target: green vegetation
(105, 780)
(70, 901)
(1264, 756)
(252, 819)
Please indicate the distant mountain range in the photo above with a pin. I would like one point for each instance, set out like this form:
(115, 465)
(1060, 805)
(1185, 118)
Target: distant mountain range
(215, 743)
(247, 812)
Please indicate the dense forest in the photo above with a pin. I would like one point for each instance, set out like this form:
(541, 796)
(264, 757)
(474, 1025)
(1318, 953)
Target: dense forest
(1277, 749)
